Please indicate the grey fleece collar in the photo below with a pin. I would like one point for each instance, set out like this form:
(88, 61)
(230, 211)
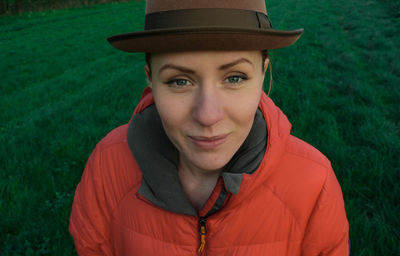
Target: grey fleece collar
(157, 158)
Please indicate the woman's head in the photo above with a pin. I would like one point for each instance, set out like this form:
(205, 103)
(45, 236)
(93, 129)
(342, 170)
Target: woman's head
(206, 71)
(207, 101)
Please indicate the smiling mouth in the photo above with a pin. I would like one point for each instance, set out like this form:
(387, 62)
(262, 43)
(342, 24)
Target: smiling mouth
(208, 143)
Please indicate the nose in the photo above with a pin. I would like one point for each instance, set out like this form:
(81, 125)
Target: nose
(208, 109)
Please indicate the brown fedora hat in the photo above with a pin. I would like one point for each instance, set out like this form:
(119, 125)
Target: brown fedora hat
(187, 25)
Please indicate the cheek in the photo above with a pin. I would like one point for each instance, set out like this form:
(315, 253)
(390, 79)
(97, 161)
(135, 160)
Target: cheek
(243, 106)
(172, 111)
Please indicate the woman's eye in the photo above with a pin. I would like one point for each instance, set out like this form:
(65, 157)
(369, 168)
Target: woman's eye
(178, 82)
(236, 79)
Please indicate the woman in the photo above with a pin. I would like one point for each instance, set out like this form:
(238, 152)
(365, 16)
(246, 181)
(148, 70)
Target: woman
(207, 164)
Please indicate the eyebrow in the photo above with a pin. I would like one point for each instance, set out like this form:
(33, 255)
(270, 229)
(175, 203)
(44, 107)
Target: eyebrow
(190, 71)
(180, 68)
(236, 62)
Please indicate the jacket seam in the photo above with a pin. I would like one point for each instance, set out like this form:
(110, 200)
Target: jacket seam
(284, 204)
(135, 231)
(316, 204)
(325, 166)
(319, 194)
(117, 204)
(345, 226)
(258, 244)
(105, 145)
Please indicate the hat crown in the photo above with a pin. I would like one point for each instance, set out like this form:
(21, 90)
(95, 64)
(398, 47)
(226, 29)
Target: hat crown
(204, 25)
(168, 5)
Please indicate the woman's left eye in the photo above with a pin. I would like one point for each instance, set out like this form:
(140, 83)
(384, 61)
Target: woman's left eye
(235, 79)
(178, 83)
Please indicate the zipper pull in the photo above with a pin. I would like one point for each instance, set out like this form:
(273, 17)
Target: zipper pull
(203, 232)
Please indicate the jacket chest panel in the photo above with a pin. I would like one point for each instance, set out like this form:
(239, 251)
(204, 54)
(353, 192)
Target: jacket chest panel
(282, 248)
(138, 215)
(259, 218)
(127, 241)
(259, 223)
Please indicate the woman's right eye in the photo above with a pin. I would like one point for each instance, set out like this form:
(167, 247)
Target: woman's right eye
(178, 83)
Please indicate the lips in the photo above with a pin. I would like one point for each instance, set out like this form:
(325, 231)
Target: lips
(208, 143)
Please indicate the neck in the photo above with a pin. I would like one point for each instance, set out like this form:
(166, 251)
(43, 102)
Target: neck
(197, 183)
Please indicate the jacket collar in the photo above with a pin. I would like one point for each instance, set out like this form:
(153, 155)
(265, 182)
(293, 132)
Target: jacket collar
(160, 183)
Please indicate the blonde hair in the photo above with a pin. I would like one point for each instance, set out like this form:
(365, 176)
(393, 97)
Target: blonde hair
(271, 81)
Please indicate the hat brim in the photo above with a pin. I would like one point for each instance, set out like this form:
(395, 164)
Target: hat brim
(198, 39)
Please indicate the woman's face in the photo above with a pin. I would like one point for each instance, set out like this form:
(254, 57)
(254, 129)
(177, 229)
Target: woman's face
(207, 102)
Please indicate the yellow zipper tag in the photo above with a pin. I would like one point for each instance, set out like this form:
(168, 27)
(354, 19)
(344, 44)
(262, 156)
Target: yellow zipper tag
(203, 232)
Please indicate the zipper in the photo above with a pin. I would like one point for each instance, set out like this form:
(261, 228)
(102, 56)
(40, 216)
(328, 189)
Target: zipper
(223, 195)
(202, 232)
(202, 225)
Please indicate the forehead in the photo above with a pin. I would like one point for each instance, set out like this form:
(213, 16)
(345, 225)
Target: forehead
(204, 57)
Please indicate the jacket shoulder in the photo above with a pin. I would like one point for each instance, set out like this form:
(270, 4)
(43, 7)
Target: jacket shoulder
(304, 167)
(114, 137)
(111, 169)
(116, 162)
(301, 175)
(110, 174)
(304, 150)
(316, 200)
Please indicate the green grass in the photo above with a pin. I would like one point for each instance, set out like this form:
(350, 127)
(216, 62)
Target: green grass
(9, 7)
(63, 88)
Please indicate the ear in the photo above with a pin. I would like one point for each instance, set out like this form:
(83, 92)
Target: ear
(148, 75)
(266, 63)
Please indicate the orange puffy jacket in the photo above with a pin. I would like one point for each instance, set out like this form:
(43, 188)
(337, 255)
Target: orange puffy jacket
(291, 205)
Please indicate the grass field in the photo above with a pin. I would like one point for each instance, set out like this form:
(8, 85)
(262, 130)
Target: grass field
(10, 7)
(63, 88)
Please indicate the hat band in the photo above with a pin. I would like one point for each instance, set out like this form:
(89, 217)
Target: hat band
(207, 17)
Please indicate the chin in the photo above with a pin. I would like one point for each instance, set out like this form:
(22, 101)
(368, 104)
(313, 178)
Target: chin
(212, 162)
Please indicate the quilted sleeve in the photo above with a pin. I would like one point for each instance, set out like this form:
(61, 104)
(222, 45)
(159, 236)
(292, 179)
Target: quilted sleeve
(90, 215)
(327, 232)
